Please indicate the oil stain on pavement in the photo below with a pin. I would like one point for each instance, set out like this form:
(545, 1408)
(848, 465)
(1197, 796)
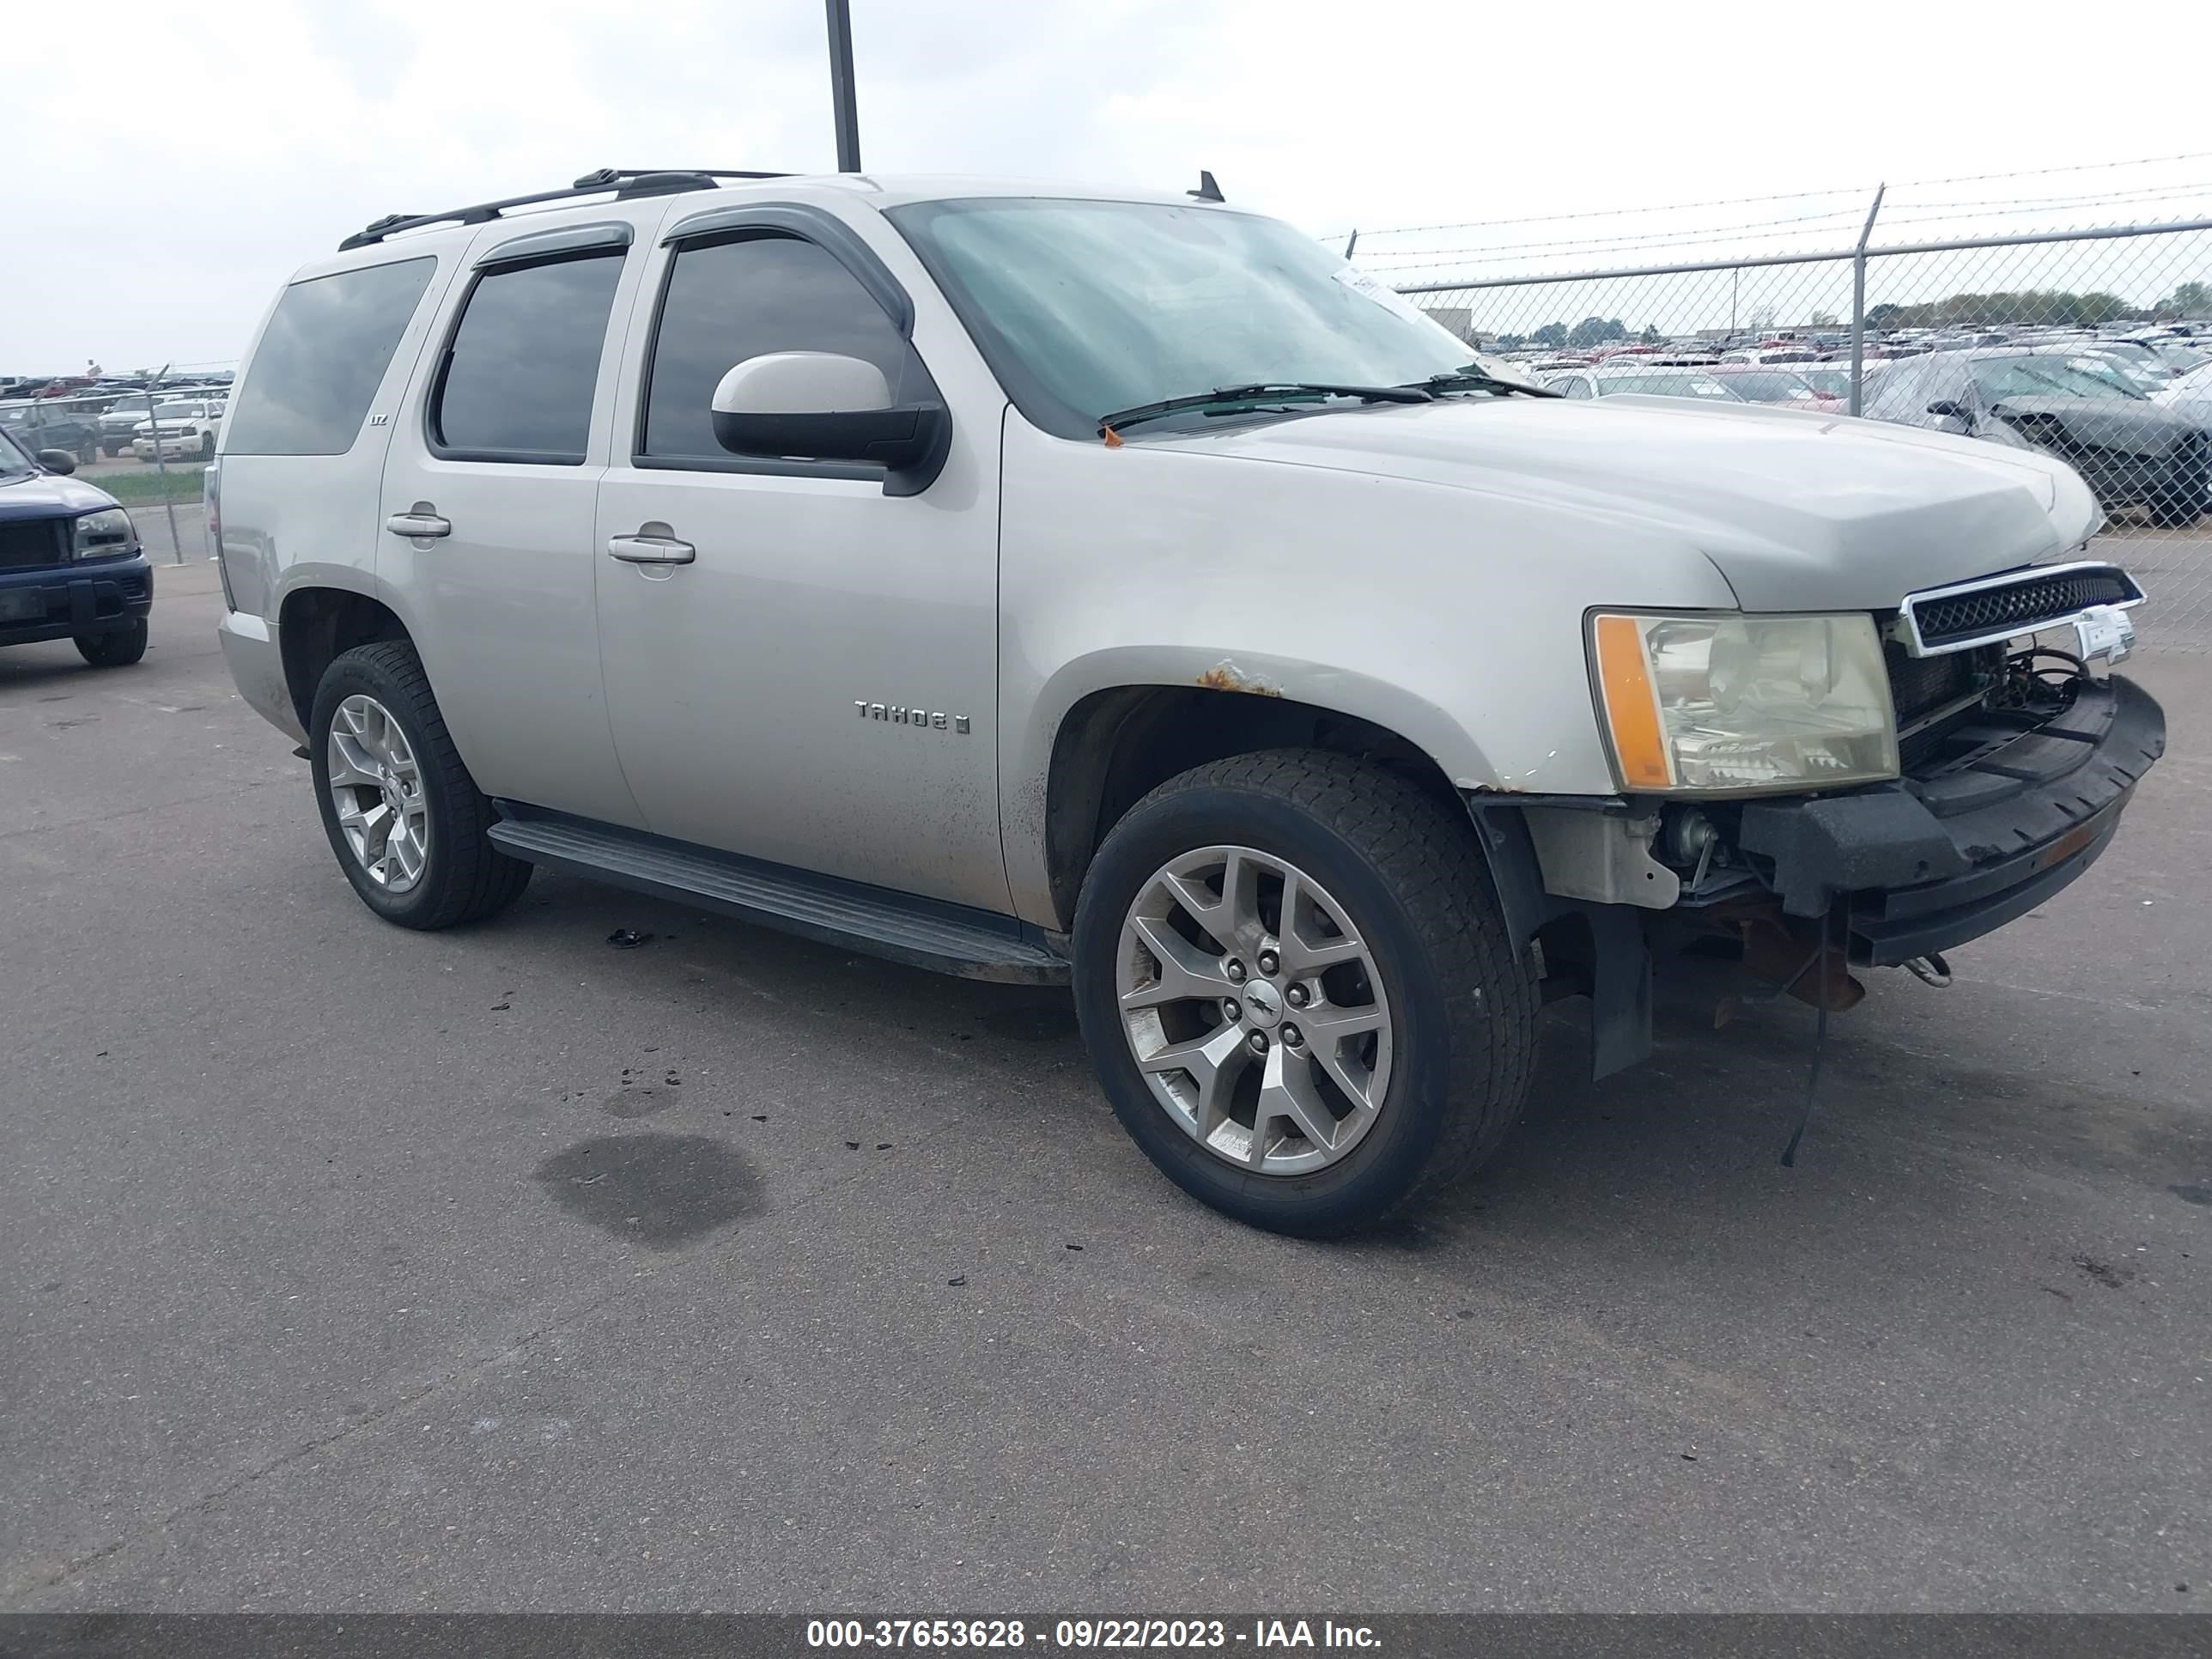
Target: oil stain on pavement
(661, 1190)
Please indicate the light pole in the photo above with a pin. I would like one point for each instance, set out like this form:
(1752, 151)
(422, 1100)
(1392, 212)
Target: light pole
(841, 85)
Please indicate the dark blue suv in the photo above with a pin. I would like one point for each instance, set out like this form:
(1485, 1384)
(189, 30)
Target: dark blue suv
(71, 564)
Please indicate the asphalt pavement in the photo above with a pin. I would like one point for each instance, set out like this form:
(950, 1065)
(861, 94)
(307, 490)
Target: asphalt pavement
(343, 1267)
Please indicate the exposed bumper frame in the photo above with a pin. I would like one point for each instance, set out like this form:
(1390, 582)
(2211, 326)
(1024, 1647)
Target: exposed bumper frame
(1928, 863)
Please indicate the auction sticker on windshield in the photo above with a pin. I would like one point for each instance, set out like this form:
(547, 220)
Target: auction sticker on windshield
(1381, 293)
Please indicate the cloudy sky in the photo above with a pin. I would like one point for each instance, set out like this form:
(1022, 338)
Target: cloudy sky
(169, 167)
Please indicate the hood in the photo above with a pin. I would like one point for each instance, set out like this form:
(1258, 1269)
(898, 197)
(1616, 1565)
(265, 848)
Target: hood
(47, 496)
(2144, 428)
(1798, 511)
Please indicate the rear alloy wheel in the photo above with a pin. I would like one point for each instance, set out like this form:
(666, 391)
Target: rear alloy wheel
(1300, 996)
(376, 792)
(407, 822)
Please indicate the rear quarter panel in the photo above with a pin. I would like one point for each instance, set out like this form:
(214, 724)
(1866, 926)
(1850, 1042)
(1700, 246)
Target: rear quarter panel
(294, 521)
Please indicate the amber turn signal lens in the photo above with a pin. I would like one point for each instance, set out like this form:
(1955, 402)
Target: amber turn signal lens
(1631, 710)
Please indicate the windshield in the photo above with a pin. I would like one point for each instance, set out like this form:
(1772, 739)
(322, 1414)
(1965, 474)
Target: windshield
(1772, 385)
(1835, 382)
(15, 459)
(1087, 308)
(2051, 377)
(178, 411)
(1664, 386)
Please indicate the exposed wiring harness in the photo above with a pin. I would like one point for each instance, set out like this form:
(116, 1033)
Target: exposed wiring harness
(2025, 684)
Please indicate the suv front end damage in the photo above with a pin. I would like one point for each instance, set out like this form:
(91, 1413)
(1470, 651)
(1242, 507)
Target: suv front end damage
(2014, 765)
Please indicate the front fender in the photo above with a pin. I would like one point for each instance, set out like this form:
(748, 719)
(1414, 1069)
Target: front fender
(1450, 617)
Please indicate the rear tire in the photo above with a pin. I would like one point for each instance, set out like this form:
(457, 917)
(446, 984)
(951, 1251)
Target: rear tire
(116, 649)
(1456, 998)
(459, 876)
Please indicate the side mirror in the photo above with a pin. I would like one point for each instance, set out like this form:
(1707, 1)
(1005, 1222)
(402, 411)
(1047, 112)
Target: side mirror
(1948, 409)
(817, 405)
(58, 460)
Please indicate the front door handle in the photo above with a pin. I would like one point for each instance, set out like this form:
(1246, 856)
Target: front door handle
(653, 544)
(419, 521)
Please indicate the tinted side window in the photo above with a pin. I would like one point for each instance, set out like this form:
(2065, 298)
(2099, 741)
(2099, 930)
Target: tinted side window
(517, 379)
(321, 359)
(734, 299)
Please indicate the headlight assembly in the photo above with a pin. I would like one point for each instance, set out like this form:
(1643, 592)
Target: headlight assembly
(1743, 705)
(99, 535)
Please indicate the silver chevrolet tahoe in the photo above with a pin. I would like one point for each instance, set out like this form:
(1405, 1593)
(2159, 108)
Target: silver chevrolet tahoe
(1055, 586)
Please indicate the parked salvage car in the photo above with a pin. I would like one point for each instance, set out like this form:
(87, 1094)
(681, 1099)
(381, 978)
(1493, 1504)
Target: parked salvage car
(1784, 387)
(180, 431)
(120, 421)
(2190, 396)
(1116, 589)
(71, 564)
(1638, 380)
(45, 424)
(2131, 452)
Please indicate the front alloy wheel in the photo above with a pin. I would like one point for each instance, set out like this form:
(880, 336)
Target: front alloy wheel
(1302, 1000)
(376, 788)
(1254, 1009)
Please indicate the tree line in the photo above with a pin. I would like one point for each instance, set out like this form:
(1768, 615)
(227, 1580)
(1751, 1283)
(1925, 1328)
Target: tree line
(2048, 308)
(1590, 332)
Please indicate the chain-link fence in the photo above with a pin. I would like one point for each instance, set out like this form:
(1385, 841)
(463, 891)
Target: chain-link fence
(2096, 344)
(145, 439)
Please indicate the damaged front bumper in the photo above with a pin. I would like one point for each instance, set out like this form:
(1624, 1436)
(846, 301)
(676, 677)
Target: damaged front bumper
(1938, 858)
(2015, 804)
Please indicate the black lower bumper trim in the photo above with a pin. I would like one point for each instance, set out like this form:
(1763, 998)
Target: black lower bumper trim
(1882, 937)
(1932, 861)
(86, 600)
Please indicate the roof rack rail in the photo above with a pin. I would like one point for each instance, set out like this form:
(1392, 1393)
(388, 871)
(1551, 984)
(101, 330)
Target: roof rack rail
(626, 183)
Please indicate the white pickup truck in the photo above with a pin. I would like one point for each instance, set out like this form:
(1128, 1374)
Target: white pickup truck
(1060, 586)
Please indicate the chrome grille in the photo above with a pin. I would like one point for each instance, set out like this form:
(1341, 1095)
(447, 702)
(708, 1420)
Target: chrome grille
(1956, 618)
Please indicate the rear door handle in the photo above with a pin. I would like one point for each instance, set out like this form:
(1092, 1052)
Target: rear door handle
(419, 521)
(650, 549)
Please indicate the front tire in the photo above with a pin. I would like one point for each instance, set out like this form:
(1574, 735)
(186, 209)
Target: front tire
(118, 648)
(1300, 888)
(2179, 507)
(407, 822)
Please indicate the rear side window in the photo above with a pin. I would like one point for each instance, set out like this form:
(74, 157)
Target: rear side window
(517, 382)
(730, 300)
(321, 359)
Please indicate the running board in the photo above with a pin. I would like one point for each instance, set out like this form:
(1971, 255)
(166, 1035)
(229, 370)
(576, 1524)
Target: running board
(946, 939)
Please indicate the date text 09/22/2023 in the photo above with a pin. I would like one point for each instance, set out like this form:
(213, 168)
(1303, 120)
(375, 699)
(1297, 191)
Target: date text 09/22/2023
(1109, 1634)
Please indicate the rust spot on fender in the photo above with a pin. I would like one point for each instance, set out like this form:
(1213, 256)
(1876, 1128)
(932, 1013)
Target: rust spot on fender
(1226, 676)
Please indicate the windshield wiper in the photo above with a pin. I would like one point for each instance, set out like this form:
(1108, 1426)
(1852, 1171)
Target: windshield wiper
(1272, 389)
(1472, 378)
